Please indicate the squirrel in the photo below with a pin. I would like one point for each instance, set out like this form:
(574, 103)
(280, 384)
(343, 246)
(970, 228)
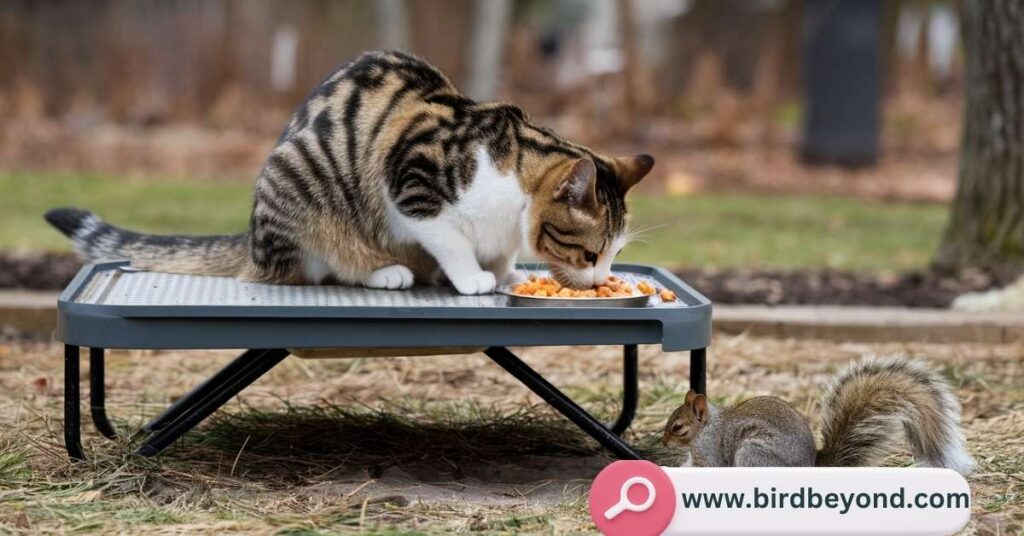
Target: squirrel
(865, 408)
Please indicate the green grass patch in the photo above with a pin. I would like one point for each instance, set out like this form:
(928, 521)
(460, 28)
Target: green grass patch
(710, 230)
(766, 231)
(1000, 501)
(164, 206)
(13, 466)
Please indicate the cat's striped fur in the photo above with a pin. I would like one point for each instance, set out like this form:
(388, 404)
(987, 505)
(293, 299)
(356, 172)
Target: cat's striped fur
(387, 173)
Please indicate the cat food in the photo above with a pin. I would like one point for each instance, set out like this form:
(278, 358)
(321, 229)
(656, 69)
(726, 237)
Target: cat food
(546, 287)
(614, 287)
(646, 288)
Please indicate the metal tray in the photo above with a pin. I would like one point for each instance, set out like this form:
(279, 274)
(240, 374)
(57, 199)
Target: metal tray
(516, 300)
(108, 307)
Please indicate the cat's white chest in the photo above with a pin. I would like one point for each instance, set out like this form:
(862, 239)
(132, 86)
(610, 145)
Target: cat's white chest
(489, 212)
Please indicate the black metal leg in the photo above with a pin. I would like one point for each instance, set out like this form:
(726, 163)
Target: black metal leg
(72, 410)
(536, 383)
(698, 370)
(209, 396)
(181, 406)
(630, 390)
(97, 395)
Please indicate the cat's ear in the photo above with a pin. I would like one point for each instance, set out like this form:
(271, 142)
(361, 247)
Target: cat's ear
(630, 169)
(578, 187)
(700, 408)
(690, 396)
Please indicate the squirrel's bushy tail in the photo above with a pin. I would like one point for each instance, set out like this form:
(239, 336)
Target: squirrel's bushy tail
(876, 400)
(204, 255)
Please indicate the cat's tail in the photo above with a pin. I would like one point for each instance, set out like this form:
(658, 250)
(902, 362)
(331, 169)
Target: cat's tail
(96, 240)
(873, 402)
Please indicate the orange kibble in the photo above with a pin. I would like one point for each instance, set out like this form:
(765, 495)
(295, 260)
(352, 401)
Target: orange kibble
(667, 295)
(545, 287)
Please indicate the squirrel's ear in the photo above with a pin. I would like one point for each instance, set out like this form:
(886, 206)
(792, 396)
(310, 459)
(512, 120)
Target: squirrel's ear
(700, 408)
(689, 396)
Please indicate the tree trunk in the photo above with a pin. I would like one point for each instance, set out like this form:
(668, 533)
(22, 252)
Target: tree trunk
(393, 24)
(487, 52)
(986, 229)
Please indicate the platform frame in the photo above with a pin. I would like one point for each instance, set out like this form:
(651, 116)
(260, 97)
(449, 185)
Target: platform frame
(102, 327)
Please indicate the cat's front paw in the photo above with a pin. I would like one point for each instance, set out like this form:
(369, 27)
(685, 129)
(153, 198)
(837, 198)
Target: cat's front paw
(391, 277)
(477, 283)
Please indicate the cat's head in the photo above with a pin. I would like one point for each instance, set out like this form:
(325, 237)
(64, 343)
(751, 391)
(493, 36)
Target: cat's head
(686, 421)
(578, 222)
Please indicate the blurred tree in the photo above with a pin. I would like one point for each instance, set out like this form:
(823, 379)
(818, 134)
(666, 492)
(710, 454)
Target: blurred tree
(634, 89)
(733, 30)
(987, 224)
(490, 26)
(393, 22)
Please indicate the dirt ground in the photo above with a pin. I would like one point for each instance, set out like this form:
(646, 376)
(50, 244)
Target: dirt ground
(430, 444)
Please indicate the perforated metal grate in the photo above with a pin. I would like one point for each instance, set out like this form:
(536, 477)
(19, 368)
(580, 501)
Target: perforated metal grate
(133, 288)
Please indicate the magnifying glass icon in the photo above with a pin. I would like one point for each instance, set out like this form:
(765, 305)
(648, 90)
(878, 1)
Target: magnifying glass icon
(624, 502)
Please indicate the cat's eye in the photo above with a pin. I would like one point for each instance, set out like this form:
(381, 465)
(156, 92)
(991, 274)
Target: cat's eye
(590, 257)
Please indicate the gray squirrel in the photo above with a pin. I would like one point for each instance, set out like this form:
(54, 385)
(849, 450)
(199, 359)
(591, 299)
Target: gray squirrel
(866, 408)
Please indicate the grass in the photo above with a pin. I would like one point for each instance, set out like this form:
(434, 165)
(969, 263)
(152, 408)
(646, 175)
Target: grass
(166, 206)
(709, 230)
(430, 445)
(734, 230)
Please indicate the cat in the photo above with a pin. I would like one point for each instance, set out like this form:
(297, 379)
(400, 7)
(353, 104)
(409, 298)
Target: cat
(386, 175)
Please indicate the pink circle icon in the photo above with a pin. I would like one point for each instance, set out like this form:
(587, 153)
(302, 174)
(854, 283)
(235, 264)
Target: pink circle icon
(632, 498)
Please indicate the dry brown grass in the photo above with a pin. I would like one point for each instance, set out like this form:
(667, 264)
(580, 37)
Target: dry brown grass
(430, 444)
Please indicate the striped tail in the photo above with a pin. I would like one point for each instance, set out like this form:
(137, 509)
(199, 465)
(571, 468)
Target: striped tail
(202, 255)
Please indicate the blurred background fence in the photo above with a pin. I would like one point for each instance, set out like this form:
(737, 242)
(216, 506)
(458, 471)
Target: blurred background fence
(243, 63)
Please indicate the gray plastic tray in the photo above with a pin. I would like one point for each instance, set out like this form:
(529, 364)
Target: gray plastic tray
(110, 306)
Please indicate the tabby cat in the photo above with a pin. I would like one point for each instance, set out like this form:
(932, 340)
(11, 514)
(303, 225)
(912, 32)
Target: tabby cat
(387, 175)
